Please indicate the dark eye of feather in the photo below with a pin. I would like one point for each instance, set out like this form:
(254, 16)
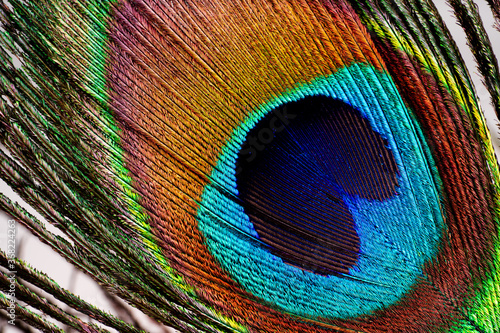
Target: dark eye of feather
(296, 165)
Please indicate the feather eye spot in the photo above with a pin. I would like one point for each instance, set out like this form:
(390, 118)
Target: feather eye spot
(292, 179)
(265, 222)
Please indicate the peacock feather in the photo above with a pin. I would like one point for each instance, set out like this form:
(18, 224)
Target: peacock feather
(253, 166)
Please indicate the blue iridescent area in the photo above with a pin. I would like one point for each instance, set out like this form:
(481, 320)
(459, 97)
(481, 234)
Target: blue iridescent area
(293, 171)
(397, 226)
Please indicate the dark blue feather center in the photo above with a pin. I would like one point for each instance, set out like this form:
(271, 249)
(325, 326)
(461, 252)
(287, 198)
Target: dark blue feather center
(295, 167)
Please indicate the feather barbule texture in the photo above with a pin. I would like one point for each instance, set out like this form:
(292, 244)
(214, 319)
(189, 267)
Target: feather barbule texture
(253, 166)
